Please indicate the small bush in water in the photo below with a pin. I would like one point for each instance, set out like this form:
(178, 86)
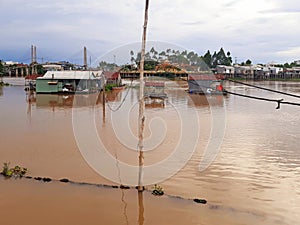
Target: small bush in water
(157, 190)
(109, 87)
(16, 172)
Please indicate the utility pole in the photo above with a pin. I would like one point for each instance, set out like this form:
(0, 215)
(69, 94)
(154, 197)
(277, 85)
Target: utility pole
(35, 58)
(142, 102)
(84, 58)
(32, 54)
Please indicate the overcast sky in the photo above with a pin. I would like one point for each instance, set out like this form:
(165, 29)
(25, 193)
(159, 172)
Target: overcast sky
(261, 30)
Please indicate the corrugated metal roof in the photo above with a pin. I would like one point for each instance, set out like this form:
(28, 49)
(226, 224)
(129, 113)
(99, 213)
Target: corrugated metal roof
(72, 74)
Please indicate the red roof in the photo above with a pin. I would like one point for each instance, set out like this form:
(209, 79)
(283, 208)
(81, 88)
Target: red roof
(111, 75)
(32, 76)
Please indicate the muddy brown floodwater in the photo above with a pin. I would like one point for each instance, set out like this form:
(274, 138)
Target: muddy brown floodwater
(254, 179)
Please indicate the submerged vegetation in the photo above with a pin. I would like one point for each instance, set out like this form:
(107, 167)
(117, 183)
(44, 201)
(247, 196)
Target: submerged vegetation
(16, 171)
(20, 172)
(158, 190)
(3, 84)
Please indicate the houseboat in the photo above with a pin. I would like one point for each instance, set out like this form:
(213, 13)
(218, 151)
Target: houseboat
(30, 82)
(71, 81)
(206, 83)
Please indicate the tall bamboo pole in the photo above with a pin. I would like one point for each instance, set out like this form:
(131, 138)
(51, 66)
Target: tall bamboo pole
(142, 102)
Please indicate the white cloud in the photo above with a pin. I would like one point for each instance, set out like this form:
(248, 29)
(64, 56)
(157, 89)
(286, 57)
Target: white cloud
(248, 28)
(292, 53)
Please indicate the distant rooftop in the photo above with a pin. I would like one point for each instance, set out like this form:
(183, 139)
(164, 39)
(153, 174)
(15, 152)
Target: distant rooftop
(72, 74)
(10, 63)
(112, 75)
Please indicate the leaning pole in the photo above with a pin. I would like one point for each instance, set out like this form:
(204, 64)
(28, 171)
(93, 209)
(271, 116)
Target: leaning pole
(141, 122)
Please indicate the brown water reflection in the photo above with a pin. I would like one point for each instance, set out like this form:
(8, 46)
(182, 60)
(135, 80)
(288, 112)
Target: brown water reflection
(255, 178)
(66, 101)
(56, 203)
(205, 101)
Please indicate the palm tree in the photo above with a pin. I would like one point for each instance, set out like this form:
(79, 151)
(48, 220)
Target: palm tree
(132, 59)
(168, 52)
(162, 55)
(152, 52)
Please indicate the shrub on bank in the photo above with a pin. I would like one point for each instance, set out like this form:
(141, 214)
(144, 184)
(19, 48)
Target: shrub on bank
(109, 87)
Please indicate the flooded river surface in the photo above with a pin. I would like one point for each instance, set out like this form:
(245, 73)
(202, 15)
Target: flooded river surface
(246, 160)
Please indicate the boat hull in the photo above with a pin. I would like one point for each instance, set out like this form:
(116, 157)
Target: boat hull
(205, 84)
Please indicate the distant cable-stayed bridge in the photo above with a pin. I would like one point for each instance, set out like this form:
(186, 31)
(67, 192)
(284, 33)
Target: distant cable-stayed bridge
(45, 55)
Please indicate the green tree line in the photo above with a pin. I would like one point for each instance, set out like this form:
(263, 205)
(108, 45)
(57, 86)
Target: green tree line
(208, 60)
(185, 57)
(1, 68)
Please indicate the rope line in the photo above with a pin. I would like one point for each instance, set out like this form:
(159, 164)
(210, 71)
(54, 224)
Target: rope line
(263, 88)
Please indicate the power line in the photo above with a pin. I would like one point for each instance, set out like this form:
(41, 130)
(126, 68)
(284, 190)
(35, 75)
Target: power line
(279, 101)
(263, 88)
(122, 102)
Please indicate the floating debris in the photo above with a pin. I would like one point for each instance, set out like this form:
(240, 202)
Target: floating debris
(124, 187)
(157, 190)
(200, 201)
(64, 180)
(46, 179)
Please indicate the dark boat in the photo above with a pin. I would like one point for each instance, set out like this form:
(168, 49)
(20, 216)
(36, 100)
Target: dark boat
(206, 83)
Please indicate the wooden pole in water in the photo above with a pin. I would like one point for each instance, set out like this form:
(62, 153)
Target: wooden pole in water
(141, 208)
(103, 104)
(142, 102)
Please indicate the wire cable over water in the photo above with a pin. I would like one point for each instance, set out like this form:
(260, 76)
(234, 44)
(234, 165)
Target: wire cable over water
(279, 101)
(263, 88)
(123, 100)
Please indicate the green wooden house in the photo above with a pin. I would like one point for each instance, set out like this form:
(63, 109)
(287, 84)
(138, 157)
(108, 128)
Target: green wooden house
(71, 81)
